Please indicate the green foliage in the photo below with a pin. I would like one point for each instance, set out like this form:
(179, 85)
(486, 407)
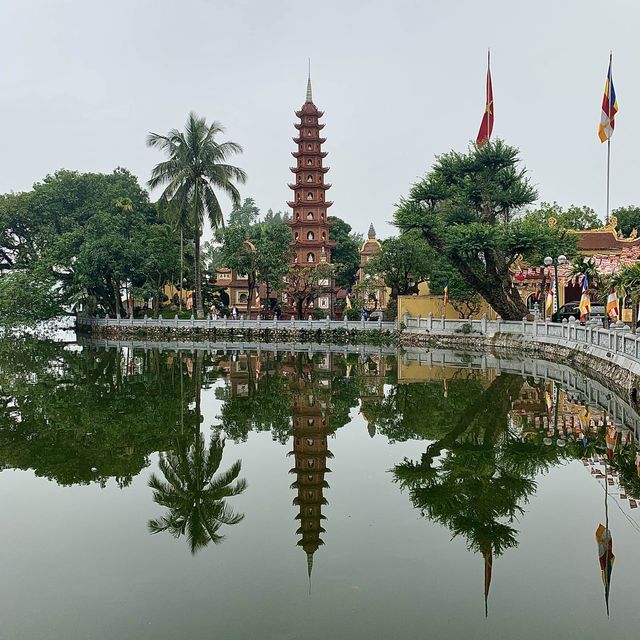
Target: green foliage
(465, 209)
(27, 298)
(628, 219)
(83, 236)
(346, 254)
(578, 218)
(245, 214)
(402, 263)
(196, 167)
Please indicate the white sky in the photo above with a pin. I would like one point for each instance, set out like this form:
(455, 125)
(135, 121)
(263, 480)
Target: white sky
(83, 81)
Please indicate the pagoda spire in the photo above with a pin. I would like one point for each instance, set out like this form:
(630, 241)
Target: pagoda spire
(309, 95)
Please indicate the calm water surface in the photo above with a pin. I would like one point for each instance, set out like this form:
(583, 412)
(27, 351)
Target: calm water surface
(149, 494)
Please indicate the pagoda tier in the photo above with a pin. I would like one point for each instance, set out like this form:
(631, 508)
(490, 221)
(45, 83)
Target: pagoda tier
(303, 168)
(313, 139)
(315, 111)
(310, 154)
(311, 185)
(311, 203)
(309, 125)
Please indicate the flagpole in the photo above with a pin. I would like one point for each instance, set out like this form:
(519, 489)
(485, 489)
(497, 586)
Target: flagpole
(487, 88)
(609, 82)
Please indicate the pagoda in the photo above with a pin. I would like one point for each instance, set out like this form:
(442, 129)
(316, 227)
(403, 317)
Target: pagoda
(309, 224)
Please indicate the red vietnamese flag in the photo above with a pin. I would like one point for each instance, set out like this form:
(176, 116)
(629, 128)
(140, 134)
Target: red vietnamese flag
(487, 119)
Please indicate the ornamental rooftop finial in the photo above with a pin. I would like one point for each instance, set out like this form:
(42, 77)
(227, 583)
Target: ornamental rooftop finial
(372, 232)
(309, 96)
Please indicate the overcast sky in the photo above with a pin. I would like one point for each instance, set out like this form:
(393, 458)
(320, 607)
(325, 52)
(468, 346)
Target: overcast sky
(83, 81)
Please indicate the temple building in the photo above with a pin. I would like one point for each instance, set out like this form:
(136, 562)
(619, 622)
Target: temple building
(376, 292)
(309, 225)
(606, 247)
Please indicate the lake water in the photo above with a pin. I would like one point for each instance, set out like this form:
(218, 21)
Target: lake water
(355, 496)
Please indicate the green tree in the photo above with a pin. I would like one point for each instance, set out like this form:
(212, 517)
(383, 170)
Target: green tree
(54, 229)
(628, 219)
(465, 209)
(195, 168)
(304, 284)
(578, 218)
(403, 263)
(273, 253)
(346, 254)
(239, 253)
(195, 497)
(245, 214)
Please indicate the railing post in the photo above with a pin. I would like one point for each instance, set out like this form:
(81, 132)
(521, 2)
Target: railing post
(483, 324)
(405, 318)
(430, 322)
(175, 321)
(192, 320)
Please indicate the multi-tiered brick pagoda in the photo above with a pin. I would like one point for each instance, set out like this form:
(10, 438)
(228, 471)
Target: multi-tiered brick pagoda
(309, 225)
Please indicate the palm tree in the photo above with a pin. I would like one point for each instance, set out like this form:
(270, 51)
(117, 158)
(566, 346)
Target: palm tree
(627, 283)
(195, 168)
(193, 494)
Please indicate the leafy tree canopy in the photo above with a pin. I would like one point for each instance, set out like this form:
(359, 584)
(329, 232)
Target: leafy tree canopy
(579, 218)
(346, 254)
(628, 219)
(466, 208)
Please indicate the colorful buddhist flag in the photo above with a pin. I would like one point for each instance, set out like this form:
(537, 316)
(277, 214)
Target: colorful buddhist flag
(613, 311)
(347, 302)
(446, 293)
(550, 297)
(611, 437)
(609, 108)
(585, 300)
(486, 127)
(606, 559)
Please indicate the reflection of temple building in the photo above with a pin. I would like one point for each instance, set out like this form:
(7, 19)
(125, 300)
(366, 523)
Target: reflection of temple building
(372, 376)
(311, 429)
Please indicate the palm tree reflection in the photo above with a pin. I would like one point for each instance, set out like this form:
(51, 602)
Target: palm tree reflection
(193, 494)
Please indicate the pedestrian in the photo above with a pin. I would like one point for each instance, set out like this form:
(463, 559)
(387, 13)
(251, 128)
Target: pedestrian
(234, 312)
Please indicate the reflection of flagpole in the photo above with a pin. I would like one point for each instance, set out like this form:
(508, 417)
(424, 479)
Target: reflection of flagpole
(488, 567)
(609, 82)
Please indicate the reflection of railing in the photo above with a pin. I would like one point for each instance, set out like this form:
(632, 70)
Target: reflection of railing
(616, 344)
(228, 323)
(590, 391)
(240, 346)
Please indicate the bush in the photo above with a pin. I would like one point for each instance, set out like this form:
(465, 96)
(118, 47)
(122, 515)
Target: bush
(352, 314)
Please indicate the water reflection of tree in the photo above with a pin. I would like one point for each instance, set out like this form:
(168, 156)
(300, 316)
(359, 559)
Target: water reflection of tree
(81, 416)
(485, 475)
(195, 497)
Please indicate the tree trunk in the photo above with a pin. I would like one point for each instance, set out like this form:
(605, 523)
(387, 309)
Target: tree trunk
(116, 295)
(197, 301)
(181, 268)
(299, 308)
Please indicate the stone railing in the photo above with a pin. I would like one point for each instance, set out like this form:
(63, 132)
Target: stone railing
(615, 344)
(240, 323)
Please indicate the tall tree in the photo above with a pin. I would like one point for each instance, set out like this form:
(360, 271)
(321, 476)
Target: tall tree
(465, 209)
(403, 263)
(196, 167)
(303, 284)
(346, 254)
